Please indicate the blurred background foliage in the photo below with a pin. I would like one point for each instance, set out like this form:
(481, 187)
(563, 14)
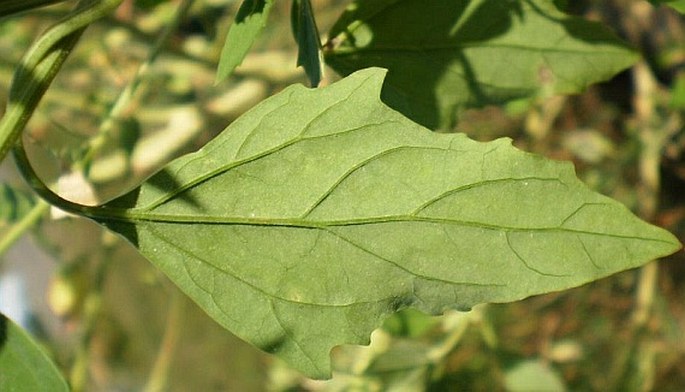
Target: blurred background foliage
(113, 322)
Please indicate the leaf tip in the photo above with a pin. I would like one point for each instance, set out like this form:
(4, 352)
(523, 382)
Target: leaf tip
(677, 245)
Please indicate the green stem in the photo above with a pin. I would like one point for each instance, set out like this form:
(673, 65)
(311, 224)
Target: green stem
(40, 65)
(30, 176)
(21, 104)
(31, 80)
(25, 223)
(23, 162)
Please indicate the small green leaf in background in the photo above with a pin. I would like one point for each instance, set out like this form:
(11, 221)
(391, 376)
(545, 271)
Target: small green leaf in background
(249, 23)
(23, 364)
(306, 34)
(444, 56)
(533, 375)
(320, 212)
(679, 5)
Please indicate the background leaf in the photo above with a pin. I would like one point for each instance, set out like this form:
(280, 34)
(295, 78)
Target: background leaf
(676, 4)
(299, 231)
(444, 56)
(23, 364)
(533, 375)
(308, 41)
(11, 7)
(249, 23)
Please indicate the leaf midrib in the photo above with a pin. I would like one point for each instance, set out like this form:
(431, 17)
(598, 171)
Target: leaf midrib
(132, 216)
(419, 49)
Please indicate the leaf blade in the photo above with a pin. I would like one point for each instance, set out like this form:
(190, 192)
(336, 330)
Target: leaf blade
(299, 231)
(23, 364)
(249, 23)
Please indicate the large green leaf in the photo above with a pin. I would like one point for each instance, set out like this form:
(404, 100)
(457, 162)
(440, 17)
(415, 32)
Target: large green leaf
(447, 55)
(249, 23)
(23, 365)
(320, 212)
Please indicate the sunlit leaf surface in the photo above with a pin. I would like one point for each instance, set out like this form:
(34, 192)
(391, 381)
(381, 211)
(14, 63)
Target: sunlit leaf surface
(249, 23)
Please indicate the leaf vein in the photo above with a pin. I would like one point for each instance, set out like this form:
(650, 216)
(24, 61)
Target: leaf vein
(197, 257)
(358, 166)
(408, 271)
(290, 336)
(477, 185)
(587, 253)
(171, 194)
(525, 263)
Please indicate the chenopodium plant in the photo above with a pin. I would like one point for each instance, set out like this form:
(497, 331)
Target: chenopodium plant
(320, 212)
